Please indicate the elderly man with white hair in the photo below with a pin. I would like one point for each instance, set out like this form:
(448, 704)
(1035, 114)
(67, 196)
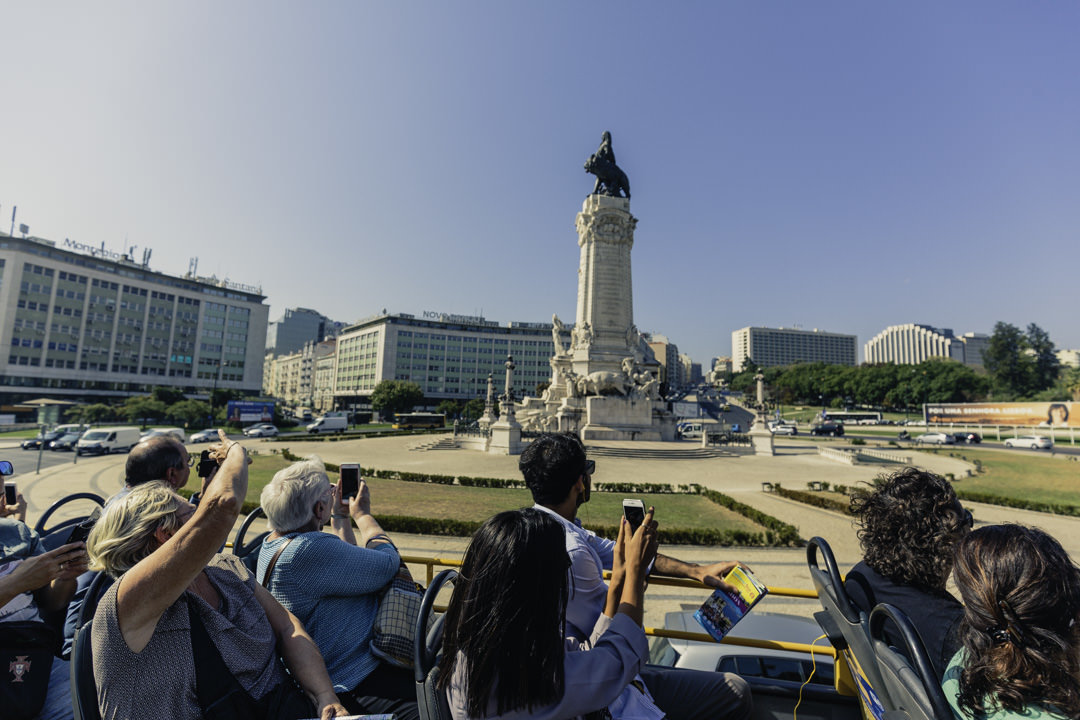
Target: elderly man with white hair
(331, 582)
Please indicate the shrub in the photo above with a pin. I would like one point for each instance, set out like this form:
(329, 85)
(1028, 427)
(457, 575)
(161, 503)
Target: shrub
(858, 441)
(821, 501)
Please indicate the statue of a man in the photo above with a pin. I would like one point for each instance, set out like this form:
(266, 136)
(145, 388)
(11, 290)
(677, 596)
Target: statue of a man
(556, 334)
(605, 152)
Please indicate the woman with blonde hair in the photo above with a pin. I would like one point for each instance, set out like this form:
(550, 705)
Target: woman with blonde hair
(186, 631)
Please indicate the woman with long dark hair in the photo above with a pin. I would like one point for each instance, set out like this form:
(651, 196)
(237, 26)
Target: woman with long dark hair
(1020, 630)
(504, 654)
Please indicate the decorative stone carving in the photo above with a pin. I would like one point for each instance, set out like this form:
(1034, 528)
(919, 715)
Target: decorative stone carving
(556, 330)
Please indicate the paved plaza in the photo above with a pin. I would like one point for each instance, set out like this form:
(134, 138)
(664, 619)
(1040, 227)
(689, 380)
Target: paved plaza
(740, 476)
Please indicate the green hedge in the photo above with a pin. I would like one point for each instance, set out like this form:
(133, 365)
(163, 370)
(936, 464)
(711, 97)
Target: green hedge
(1047, 507)
(777, 533)
(821, 501)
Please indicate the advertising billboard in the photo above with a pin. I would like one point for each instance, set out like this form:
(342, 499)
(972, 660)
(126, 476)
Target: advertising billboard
(246, 411)
(1046, 414)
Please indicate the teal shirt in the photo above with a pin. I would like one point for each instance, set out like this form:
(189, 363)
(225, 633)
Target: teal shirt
(950, 685)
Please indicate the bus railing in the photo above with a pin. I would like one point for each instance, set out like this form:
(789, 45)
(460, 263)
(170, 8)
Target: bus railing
(430, 563)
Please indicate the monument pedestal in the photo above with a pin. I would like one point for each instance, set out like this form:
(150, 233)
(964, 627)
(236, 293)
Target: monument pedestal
(615, 417)
(760, 437)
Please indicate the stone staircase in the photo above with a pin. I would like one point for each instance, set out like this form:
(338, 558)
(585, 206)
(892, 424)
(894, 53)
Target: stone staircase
(443, 443)
(696, 453)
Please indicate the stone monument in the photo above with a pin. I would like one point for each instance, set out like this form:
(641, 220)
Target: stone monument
(605, 385)
(760, 436)
(506, 431)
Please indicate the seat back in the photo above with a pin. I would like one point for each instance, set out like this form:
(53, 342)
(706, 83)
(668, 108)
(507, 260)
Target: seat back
(910, 680)
(248, 551)
(431, 701)
(853, 625)
(55, 536)
(84, 700)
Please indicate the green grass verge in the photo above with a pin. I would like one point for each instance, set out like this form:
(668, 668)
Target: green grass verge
(457, 506)
(11, 434)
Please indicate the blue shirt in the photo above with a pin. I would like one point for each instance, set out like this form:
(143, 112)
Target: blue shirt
(332, 587)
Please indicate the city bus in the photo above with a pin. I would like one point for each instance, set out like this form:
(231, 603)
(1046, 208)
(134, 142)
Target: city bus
(407, 421)
(852, 417)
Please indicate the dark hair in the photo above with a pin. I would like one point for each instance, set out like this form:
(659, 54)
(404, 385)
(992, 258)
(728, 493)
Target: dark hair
(1054, 406)
(150, 459)
(908, 524)
(507, 615)
(551, 464)
(1021, 624)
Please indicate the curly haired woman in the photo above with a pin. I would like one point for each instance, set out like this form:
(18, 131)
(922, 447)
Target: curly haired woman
(909, 524)
(1021, 628)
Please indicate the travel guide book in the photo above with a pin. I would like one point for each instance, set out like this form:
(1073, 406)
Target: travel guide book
(723, 609)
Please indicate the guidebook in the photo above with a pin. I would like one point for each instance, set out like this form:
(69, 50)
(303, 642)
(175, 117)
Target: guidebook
(723, 609)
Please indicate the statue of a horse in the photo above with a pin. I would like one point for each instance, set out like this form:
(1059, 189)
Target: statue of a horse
(610, 180)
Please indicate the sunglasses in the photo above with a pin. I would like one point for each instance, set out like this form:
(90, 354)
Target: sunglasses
(969, 520)
(590, 467)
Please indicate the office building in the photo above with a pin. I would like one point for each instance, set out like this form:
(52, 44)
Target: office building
(82, 322)
(448, 356)
(769, 347)
(296, 328)
(914, 343)
(667, 354)
(1069, 358)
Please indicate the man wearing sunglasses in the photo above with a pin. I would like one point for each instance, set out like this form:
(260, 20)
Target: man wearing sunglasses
(559, 476)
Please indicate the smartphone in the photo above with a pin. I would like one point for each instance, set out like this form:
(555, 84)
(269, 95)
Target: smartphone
(634, 510)
(82, 530)
(206, 464)
(11, 494)
(350, 480)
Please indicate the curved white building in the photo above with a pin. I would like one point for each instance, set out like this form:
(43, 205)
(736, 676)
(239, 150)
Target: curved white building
(913, 343)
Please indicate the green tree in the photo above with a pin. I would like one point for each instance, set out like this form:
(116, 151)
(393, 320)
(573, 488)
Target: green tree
(167, 395)
(1006, 359)
(541, 387)
(450, 408)
(473, 409)
(91, 414)
(142, 408)
(395, 396)
(192, 413)
(1047, 367)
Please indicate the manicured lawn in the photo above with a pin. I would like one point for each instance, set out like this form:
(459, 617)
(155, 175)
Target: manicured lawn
(19, 433)
(396, 497)
(1030, 475)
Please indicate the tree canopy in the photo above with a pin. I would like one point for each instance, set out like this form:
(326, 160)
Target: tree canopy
(395, 396)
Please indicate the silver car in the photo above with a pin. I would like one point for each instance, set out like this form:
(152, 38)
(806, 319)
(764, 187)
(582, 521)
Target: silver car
(1034, 442)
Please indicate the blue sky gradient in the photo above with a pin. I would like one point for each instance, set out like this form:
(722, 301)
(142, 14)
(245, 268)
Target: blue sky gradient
(838, 165)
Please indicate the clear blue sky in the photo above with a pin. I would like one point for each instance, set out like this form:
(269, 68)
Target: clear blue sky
(838, 165)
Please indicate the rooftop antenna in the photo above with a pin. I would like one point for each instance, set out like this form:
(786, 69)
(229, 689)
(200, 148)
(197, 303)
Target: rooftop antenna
(193, 266)
(146, 256)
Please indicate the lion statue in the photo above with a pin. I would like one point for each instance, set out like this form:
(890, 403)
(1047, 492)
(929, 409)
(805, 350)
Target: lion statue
(610, 180)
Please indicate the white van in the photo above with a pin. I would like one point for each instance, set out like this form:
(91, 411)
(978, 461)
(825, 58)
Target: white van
(67, 429)
(691, 430)
(329, 424)
(176, 432)
(104, 440)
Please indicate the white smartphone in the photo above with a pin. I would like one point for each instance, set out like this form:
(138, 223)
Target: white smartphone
(634, 510)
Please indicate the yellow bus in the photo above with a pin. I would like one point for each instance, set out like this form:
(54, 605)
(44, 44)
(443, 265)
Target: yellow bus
(408, 421)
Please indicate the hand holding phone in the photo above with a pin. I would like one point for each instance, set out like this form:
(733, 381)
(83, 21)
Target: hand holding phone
(350, 480)
(634, 511)
(82, 530)
(206, 465)
(11, 494)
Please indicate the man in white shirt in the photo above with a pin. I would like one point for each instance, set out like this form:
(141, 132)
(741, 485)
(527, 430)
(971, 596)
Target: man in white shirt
(558, 474)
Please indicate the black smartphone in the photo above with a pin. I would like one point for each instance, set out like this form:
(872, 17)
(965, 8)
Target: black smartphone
(206, 464)
(634, 510)
(11, 494)
(82, 530)
(350, 480)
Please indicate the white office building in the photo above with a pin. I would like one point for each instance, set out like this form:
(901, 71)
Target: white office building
(82, 322)
(769, 347)
(914, 343)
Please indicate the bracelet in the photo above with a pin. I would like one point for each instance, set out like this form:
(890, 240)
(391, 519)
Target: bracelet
(381, 536)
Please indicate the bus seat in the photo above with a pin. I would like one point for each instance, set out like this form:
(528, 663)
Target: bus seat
(910, 681)
(852, 624)
(432, 701)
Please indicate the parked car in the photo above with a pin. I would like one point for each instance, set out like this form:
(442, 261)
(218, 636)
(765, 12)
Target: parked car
(935, 438)
(830, 429)
(35, 442)
(784, 430)
(102, 441)
(1030, 441)
(202, 436)
(66, 441)
(261, 430)
(970, 438)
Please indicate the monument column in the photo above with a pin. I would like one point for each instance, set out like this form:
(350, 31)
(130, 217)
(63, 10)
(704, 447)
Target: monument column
(605, 304)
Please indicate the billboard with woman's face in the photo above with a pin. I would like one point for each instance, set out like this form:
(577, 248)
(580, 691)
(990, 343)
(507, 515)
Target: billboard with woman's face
(1046, 414)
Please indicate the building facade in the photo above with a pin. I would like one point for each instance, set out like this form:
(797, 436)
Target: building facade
(769, 347)
(914, 343)
(296, 328)
(81, 322)
(667, 354)
(448, 356)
